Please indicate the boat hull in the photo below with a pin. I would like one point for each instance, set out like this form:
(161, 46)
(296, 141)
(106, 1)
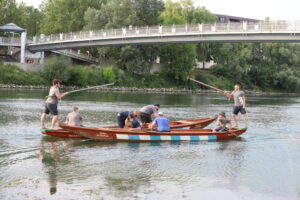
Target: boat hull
(188, 124)
(144, 135)
(60, 133)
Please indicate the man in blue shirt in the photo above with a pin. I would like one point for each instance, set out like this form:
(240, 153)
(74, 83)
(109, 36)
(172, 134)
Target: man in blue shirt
(161, 123)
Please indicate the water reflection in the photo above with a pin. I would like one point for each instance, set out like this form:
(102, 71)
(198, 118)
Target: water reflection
(52, 153)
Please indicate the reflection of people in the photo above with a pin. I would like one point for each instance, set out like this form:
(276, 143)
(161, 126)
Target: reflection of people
(51, 103)
(133, 121)
(161, 123)
(74, 118)
(123, 116)
(222, 122)
(239, 104)
(49, 161)
(147, 111)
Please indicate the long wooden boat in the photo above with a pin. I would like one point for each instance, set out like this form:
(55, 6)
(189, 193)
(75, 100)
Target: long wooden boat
(191, 123)
(145, 135)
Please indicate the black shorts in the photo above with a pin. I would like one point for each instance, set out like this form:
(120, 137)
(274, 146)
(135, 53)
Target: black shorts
(51, 108)
(121, 122)
(145, 117)
(237, 109)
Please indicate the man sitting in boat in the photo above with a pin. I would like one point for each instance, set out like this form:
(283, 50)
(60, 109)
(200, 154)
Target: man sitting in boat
(123, 116)
(161, 123)
(222, 121)
(147, 111)
(74, 118)
(134, 123)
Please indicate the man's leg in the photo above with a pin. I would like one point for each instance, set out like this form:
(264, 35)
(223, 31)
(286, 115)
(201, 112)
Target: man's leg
(245, 118)
(54, 120)
(235, 120)
(43, 119)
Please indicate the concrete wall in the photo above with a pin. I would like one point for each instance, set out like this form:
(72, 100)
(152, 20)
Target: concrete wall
(26, 66)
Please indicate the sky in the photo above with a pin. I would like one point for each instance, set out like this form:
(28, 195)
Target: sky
(256, 9)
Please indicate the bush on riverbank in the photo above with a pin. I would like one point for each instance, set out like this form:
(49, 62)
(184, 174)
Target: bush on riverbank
(11, 74)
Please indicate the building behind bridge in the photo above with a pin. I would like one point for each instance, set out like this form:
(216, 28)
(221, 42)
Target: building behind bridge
(227, 19)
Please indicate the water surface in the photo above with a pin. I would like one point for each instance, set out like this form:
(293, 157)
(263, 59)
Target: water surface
(262, 164)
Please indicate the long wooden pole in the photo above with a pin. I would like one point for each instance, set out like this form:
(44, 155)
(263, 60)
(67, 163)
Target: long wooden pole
(89, 88)
(212, 87)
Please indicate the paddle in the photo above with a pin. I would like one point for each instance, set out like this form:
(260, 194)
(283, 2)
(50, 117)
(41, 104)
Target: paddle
(89, 88)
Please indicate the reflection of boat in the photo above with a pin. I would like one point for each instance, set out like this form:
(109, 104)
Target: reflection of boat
(192, 124)
(144, 135)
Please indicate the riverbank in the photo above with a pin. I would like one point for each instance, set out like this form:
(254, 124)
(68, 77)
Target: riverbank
(141, 90)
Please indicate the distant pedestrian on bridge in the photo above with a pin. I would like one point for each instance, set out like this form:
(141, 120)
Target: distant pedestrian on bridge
(239, 104)
(51, 104)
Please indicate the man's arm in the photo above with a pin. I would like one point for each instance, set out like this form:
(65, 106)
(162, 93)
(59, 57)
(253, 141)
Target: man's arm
(151, 126)
(59, 95)
(244, 99)
(67, 119)
(228, 95)
(126, 123)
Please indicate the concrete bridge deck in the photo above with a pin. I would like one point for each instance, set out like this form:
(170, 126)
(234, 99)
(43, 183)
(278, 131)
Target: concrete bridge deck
(279, 31)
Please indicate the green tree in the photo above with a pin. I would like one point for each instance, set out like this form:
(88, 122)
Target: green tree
(58, 67)
(62, 16)
(179, 60)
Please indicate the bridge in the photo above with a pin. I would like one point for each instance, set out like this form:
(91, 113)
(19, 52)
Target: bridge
(275, 31)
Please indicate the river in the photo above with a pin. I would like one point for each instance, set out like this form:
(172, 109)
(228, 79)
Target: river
(264, 163)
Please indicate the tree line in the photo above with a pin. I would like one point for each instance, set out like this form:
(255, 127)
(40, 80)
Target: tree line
(261, 66)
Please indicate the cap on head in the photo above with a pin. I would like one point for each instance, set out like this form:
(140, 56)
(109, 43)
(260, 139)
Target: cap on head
(222, 114)
(157, 104)
(160, 113)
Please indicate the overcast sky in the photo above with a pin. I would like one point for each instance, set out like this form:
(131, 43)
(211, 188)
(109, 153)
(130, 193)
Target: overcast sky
(257, 9)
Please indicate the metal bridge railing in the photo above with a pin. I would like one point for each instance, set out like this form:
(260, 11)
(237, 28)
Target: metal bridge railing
(10, 41)
(183, 29)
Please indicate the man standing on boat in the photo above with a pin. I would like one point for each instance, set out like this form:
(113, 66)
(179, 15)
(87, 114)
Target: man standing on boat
(51, 104)
(147, 111)
(239, 104)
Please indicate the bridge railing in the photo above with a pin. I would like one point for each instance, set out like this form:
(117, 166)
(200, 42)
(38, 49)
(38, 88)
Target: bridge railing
(10, 41)
(244, 27)
(78, 54)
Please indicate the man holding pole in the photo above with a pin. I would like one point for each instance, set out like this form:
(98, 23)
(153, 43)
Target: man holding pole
(239, 104)
(51, 104)
(239, 101)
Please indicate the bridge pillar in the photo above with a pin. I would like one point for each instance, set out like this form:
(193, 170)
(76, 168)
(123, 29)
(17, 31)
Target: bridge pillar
(23, 45)
(42, 60)
(200, 27)
(61, 36)
(244, 26)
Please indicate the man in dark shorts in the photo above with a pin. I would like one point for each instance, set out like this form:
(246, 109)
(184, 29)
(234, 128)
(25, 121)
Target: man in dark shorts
(147, 111)
(239, 104)
(51, 104)
(123, 116)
